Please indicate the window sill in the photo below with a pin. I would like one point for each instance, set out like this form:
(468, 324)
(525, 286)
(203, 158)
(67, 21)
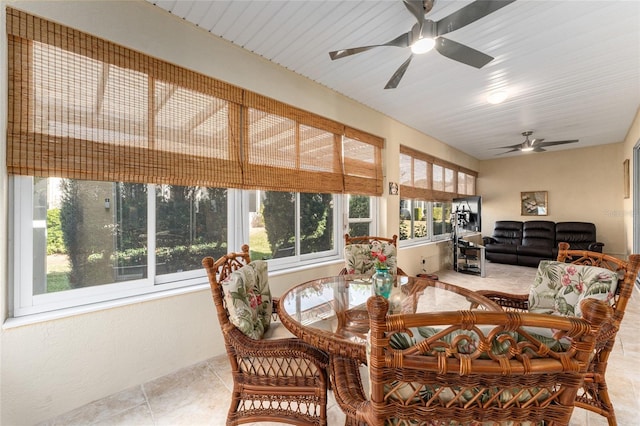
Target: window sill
(411, 243)
(30, 319)
(95, 307)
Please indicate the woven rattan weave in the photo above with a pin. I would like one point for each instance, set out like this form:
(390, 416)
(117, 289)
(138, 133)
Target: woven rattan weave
(281, 380)
(593, 395)
(435, 382)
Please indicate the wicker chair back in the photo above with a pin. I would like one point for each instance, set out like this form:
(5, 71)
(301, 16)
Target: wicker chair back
(275, 380)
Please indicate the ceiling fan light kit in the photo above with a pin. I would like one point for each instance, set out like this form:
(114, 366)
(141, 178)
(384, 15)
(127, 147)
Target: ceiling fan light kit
(426, 35)
(423, 45)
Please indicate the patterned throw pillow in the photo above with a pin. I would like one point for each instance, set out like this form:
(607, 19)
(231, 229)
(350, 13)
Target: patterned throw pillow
(248, 299)
(560, 287)
(358, 259)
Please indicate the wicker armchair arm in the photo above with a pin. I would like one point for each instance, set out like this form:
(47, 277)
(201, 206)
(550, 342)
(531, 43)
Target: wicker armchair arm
(510, 302)
(348, 390)
(292, 348)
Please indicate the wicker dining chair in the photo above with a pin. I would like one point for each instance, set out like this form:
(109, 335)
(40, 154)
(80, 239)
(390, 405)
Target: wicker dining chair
(593, 395)
(358, 259)
(467, 368)
(275, 380)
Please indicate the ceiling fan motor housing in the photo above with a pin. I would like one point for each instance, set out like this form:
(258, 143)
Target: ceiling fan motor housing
(427, 5)
(428, 29)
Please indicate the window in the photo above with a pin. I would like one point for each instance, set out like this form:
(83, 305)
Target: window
(292, 226)
(127, 171)
(428, 185)
(424, 220)
(79, 242)
(360, 215)
(414, 216)
(441, 219)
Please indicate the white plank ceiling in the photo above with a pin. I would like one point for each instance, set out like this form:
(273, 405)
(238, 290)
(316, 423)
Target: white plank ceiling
(571, 68)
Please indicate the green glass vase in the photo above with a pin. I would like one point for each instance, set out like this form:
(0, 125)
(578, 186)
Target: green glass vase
(382, 283)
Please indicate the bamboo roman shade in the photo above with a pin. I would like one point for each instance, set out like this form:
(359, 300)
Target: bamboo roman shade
(362, 154)
(81, 107)
(288, 149)
(84, 108)
(425, 177)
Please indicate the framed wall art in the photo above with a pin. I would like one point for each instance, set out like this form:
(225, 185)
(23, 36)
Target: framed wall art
(534, 203)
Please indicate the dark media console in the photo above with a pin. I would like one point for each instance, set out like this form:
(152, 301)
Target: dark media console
(468, 258)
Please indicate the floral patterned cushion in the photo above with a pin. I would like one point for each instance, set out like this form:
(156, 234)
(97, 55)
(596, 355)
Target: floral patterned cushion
(358, 258)
(467, 341)
(248, 299)
(560, 287)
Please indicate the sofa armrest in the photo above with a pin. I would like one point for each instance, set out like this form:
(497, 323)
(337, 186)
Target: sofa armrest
(488, 240)
(597, 246)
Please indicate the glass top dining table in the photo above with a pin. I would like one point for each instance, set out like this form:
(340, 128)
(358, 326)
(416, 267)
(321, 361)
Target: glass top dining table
(331, 313)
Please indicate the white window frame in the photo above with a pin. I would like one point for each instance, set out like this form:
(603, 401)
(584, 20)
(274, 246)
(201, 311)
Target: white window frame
(25, 303)
(418, 240)
(372, 220)
(309, 258)
(430, 237)
(438, 237)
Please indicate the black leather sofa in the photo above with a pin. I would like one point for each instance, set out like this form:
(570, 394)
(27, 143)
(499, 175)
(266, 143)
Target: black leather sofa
(527, 243)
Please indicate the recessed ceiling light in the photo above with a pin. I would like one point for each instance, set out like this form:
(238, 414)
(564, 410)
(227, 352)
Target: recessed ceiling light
(497, 97)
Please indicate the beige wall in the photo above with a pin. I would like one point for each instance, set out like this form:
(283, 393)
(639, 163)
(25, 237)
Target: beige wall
(53, 366)
(583, 185)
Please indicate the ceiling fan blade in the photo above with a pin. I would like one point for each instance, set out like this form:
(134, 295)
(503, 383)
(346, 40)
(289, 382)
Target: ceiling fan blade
(552, 143)
(400, 41)
(461, 53)
(516, 146)
(512, 150)
(416, 9)
(538, 149)
(397, 76)
(468, 14)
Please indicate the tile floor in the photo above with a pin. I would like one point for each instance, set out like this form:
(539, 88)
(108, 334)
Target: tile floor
(199, 395)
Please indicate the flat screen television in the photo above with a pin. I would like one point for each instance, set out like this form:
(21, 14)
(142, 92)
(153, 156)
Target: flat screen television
(467, 211)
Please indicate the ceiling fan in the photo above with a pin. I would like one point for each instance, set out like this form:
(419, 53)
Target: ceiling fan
(427, 34)
(535, 145)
